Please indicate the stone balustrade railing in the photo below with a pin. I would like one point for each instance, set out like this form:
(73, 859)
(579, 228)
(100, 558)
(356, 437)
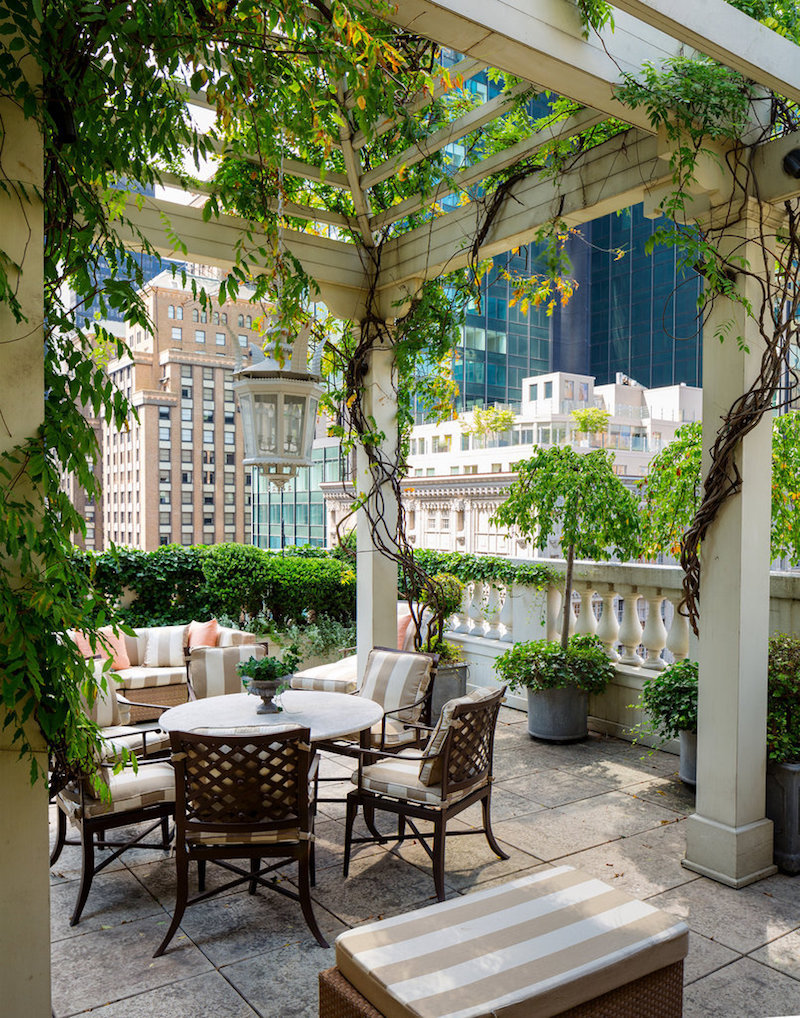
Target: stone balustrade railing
(632, 609)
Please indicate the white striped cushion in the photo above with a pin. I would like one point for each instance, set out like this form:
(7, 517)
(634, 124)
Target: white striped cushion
(212, 670)
(104, 711)
(144, 678)
(396, 679)
(541, 945)
(336, 677)
(246, 837)
(430, 773)
(234, 637)
(135, 646)
(396, 734)
(164, 646)
(134, 740)
(399, 778)
(149, 785)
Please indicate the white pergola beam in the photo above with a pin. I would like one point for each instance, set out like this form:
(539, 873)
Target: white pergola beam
(733, 38)
(610, 177)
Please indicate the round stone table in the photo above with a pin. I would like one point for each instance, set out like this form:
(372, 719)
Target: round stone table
(328, 715)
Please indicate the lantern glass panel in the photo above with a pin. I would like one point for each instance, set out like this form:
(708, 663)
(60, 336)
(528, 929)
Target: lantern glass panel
(266, 423)
(293, 414)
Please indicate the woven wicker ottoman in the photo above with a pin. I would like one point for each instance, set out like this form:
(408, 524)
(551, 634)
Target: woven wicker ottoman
(558, 942)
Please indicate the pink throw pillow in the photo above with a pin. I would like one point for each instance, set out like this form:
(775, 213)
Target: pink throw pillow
(81, 641)
(113, 646)
(402, 630)
(203, 634)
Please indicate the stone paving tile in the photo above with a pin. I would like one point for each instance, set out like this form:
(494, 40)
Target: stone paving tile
(551, 787)
(641, 865)
(667, 792)
(743, 919)
(284, 983)
(204, 995)
(115, 897)
(744, 989)
(505, 805)
(102, 966)
(705, 956)
(551, 834)
(782, 954)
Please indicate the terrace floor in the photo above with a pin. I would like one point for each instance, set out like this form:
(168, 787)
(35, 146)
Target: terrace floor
(600, 805)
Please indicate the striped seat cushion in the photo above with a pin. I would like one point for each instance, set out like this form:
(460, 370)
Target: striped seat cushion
(164, 646)
(395, 734)
(151, 784)
(539, 945)
(212, 670)
(142, 677)
(336, 677)
(247, 837)
(134, 740)
(399, 778)
(396, 679)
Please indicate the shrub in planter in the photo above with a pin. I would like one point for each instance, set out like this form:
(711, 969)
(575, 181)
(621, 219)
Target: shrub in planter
(783, 750)
(297, 587)
(669, 699)
(558, 682)
(442, 595)
(237, 579)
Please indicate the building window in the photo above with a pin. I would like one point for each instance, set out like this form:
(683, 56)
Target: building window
(179, 313)
(208, 374)
(186, 498)
(421, 446)
(441, 443)
(208, 499)
(229, 479)
(249, 322)
(224, 318)
(208, 416)
(208, 520)
(186, 371)
(186, 477)
(216, 318)
(164, 454)
(186, 392)
(186, 413)
(163, 539)
(187, 519)
(229, 498)
(230, 461)
(230, 438)
(187, 538)
(195, 315)
(177, 333)
(208, 477)
(164, 519)
(243, 341)
(163, 434)
(203, 316)
(220, 339)
(532, 390)
(199, 335)
(163, 413)
(208, 455)
(548, 390)
(208, 437)
(186, 455)
(186, 435)
(241, 321)
(230, 519)
(171, 311)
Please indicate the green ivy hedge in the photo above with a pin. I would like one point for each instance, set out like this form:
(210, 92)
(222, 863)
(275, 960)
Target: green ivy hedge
(176, 584)
(482, 567)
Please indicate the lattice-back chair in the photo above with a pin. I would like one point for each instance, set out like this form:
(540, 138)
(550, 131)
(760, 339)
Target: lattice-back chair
(402, 683)
(243, 796)
(211, 671)
(452, 772)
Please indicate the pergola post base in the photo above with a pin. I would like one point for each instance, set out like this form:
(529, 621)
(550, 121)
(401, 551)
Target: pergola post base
(736, 856)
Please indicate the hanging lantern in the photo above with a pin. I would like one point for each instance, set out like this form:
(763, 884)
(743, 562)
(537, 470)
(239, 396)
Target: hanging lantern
(278, 404)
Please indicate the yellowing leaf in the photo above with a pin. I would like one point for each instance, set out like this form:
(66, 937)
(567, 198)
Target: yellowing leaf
(362, 102)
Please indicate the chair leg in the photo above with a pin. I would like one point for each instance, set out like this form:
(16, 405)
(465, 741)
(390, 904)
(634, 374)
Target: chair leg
(369, 820)
(61, 835)
(487, 827)
(312, 864)
(165, 833)
(439, 833)
(87, 873)
(201, 875)
(305, 900)
(181, 898)
(352, 810)
(255, 866)
(401, 826)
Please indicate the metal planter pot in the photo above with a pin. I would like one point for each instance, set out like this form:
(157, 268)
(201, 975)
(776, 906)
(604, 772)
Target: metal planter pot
(558, 715)
(783, 809)
(687, 771)
(450, 681)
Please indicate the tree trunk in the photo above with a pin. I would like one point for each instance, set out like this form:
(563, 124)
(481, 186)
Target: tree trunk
(567, 597)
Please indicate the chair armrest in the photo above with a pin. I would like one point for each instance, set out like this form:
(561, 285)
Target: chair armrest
(138, 703)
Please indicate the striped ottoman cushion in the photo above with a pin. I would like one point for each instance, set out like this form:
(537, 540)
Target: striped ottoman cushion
(336, 677)
(539, 946)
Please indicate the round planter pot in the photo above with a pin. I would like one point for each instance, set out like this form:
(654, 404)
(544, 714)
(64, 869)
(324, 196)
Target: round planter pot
(558, 715)
(687, 770)
(783, 809)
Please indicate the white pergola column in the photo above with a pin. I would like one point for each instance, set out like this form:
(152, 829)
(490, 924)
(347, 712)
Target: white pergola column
(24, 864)
(728, 837)
(376, 624)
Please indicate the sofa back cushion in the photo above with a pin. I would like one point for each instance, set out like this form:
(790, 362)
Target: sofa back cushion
(81, 641)
(164, 647)
(234, 637)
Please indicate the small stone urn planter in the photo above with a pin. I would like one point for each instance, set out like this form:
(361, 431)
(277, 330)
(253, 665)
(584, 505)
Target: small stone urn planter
(558, 682)
(266, 676)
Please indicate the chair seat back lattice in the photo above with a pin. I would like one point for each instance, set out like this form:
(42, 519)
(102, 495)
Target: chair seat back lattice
(459, 752)
(252, 783)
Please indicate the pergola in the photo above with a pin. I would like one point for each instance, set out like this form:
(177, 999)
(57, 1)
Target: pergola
(729, 837)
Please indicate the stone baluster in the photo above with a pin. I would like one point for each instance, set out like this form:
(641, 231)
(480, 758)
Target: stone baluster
(464, 624)
(654, 635)
(586, 624)
(608, 627)
(492, 611)
(678, 636)
(507, 613)
(630, 632)
(479, 625)
(554, 599)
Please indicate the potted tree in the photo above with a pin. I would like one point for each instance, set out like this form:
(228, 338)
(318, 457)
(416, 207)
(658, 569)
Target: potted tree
(577, 496)
(783, 750)
(442, 596)
(669, 699)
(558, 680)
